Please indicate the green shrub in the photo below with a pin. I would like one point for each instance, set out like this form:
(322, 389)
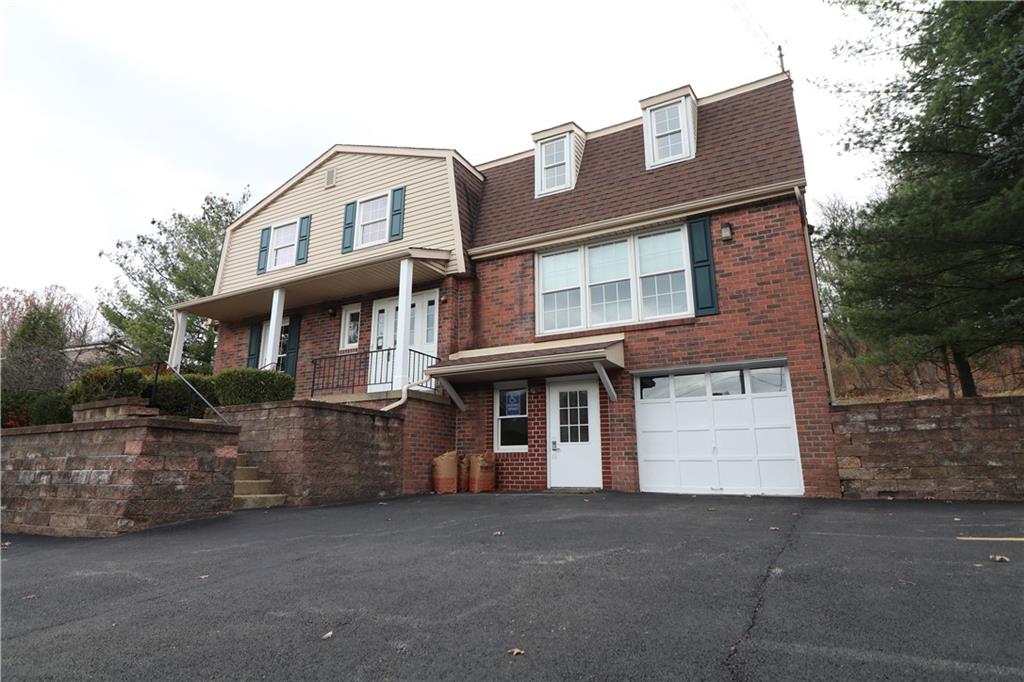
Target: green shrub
(174, 397)
(106, 382)
(15, 408)
(244, 386)
(53, 407)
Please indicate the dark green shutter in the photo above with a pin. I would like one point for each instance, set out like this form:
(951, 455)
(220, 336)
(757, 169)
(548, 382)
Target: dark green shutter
(397, 214)
(255, 332)
(705, 293)
(261, 264)
(302, 249)
(348, 231)
(291, 358)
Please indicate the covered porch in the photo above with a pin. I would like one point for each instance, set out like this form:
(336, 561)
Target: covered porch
(326, 319)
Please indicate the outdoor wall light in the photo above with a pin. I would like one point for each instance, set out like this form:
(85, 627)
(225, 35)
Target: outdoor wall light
(332, 312)
(726, 232)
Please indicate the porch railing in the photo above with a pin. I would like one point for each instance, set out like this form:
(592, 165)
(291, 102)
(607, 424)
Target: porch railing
(366, 371)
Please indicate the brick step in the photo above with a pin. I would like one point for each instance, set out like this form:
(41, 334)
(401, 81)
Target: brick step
(140, 411)
(258, 501)
(254, 487)
(246, 473)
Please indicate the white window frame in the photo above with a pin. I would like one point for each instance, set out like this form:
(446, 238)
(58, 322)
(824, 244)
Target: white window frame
(345, 312)
(272, 247)
(265, 333)
(357, 241)
(686, 128)
(632, 277)
(635, 293)
(498, 447)
(539, 189)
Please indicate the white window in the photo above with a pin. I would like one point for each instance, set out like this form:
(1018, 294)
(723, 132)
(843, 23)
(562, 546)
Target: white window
(560, 291)
(283, 242)
(282, 344)
(594, 285)
(554, 164)
(510, 417)
(668, 132)
(350, 317)
(608, 274)
(372, 227)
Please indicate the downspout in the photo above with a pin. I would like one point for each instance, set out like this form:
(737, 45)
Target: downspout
(405, 395)
(817, 297)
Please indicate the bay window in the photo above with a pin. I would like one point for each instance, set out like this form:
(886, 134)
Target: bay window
(637, 278)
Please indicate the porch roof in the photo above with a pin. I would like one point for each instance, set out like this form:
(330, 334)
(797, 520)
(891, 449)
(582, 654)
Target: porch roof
(544, 358)
(334, 285)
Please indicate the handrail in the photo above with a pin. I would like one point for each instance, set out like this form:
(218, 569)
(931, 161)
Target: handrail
(355, 371)
(201, 396)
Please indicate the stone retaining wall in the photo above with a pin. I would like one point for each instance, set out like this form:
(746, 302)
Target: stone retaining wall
(968, 449)
(107, 477)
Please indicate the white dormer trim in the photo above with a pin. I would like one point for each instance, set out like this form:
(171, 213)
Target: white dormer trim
(574, 139)
(684, 100)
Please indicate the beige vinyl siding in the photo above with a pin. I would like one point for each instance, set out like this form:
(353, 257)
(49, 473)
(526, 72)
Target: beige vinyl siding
(429, 217)
(578, 143)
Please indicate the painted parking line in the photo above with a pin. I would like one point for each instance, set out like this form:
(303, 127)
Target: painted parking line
(980, 539)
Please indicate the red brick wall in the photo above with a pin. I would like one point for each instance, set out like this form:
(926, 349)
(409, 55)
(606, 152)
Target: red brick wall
(428, 430)
(767, 310)
(968, 449)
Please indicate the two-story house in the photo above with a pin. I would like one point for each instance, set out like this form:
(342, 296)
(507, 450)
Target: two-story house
(629, 308)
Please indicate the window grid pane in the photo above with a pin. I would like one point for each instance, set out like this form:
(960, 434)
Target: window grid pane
(768, 380)
(663, 294)
(554, 176)
(608, 262)
(373, 220)
(727, 383)
(661, 252)
(560, 270)
(573, 417)
(562, 309)
(690, 386)
(610, 302)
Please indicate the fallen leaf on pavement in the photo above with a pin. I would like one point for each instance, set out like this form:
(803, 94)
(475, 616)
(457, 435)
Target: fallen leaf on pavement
(978, 565)
(29, 596)
(327, 635)
(711, 509)
(383, 504)
(499, 532)
(774, 528)
(956, 518)
(516, 652)
(999, 558)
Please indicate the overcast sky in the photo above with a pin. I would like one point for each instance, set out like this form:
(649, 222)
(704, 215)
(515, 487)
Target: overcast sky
(115, 113)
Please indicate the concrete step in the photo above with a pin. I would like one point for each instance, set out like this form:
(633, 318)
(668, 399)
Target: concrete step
(258, 501)
(242, 461)
(254, 487)
(244, 473)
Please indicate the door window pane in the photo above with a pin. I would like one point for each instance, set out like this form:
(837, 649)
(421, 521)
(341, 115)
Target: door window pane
(573, 417)
(431, 321)
(653, 388)
(768, 380)
(690, 386)
(727, 383)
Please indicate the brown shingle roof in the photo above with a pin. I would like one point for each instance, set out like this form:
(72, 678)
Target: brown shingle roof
(744, 141)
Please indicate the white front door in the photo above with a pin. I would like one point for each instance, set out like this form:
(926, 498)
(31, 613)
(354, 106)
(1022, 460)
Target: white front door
(574, 434)
(720, 432)
(383, 340)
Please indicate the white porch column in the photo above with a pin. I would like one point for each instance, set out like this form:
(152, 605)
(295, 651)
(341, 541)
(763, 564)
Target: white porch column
(401, 363)
(177, 339)
(273, 339)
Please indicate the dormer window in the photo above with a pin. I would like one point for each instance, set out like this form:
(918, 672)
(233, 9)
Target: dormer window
(557, 155)
(669, 123)
(554, 172)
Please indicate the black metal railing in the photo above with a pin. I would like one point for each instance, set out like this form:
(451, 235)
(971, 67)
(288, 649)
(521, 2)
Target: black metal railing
(158, 368)
(366, 371)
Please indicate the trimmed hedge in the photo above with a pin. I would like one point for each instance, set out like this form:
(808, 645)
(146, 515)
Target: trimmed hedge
(174, 397)
(244, 386)
(105, 383)
(15, 408)
(53, 407)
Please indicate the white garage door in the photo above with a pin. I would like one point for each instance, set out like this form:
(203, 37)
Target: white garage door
(721, 432)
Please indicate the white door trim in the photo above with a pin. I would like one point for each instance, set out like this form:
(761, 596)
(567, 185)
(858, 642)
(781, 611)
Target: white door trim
(592, 473)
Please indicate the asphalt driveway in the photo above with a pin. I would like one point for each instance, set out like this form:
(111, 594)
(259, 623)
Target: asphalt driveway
(589, 586)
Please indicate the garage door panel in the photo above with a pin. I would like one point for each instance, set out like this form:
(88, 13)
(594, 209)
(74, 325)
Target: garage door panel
(773, 410)
(779, 475)
(694, 444)
(659, 475)
(693, 415)
(777, 441)
(655, 417)
(731, 412)
(657, 444)
(738, 475)
(736, 443)
(699, 475)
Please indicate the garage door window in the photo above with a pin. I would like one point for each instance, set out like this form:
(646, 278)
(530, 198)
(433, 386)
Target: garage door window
(654, 388)
(767, 380)
(727, 383)
(691, 386)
